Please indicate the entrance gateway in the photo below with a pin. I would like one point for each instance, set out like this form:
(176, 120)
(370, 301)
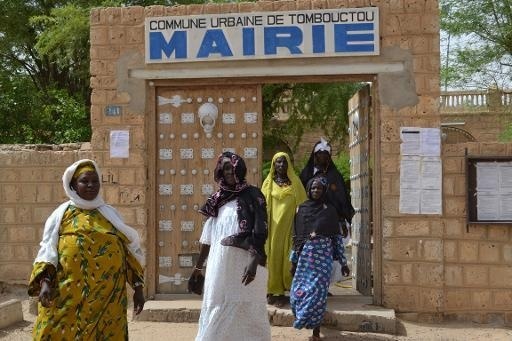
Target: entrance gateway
(197, 119)
(185, 83)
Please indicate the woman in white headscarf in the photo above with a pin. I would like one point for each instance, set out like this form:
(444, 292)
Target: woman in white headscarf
(87, 255)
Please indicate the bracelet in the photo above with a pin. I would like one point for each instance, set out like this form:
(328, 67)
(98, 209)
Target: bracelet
(137, 284)
(196, 268)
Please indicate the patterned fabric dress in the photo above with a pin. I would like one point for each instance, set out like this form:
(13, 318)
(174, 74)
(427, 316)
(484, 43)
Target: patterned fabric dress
(308, 296)
(94, 266)
(231, 310)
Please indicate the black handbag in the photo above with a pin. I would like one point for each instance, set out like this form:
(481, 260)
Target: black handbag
(196, 284)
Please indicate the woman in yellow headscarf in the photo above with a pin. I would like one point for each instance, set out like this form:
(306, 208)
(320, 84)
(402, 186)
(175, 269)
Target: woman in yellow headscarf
(283, 191)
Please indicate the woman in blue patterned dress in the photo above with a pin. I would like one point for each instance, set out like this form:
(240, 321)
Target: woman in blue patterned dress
(317, 243)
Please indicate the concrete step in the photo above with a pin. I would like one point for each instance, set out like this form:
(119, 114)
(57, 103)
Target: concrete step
(353, 313)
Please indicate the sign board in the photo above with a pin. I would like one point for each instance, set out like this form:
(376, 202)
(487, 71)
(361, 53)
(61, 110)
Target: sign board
(263, 35)
(489, 193)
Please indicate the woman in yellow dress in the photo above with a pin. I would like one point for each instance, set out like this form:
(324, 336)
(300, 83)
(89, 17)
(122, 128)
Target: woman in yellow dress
(87, 255)
(283, 191)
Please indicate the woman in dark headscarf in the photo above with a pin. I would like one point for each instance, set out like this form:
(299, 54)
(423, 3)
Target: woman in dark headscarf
(234, 302)
(317, 242)
(321, 164)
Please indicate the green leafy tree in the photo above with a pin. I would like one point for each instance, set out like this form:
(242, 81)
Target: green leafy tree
(306, 106)
(41, 72)
(44, 78)
(44, 68)
(478, 39)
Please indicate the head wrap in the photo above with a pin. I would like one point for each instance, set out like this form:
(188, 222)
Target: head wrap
(322, 146)
(225, 193)
(296, 188)
(309, 170)
(315, 216)
(79, 167)
(83, 168)
(239, 169)
(325, 184)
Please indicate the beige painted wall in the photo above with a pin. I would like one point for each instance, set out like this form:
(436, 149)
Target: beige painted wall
(427, 264)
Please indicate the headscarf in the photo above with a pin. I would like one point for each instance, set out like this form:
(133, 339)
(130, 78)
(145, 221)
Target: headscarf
(83, 168)
(315, 215)
(72, 172)
(48, 251)
(322, 145)
(309, 170)
(251, 211)
(296, 188)
(225, 194)
(337, 194)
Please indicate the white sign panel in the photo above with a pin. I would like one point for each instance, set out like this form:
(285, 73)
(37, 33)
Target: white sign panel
(494, 190)
(420, 171)
(263, 35)
(119, 144)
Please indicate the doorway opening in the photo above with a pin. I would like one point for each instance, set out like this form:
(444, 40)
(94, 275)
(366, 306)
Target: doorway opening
(295, 117)
(183, 152)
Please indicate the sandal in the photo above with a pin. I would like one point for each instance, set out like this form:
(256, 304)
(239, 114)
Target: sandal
(281, 301)
(279, 304)
(314, 338)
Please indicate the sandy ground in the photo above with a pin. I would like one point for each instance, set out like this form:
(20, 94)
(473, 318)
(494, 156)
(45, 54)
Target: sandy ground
(143, 331)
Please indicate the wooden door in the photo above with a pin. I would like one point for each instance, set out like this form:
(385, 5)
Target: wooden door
(360, 184)
(187, 148)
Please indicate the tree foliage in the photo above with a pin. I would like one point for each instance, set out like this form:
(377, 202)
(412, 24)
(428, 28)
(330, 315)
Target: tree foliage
(478, 39)
(307, 106)
(44, 61)
(44, 78)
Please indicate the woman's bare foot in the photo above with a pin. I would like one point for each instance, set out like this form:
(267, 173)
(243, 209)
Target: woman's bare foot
(316, 334)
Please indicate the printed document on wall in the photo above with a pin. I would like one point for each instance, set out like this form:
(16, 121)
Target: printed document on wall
(494, 190)
(420, 171)
(119, 143)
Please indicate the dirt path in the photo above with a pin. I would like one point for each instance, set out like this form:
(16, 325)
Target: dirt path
(142, 331)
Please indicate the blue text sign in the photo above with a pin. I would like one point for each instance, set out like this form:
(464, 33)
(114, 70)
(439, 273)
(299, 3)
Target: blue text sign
(315, 33)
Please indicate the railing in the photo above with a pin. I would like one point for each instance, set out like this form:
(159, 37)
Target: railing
(464, 101)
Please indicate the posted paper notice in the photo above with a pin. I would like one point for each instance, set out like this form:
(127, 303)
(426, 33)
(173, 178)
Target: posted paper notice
(119, 144)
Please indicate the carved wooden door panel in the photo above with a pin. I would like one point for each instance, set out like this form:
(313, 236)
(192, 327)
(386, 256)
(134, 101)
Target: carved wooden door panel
(194, 126)
(360, 183)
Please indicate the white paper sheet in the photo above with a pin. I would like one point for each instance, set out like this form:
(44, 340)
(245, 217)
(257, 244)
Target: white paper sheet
(506, 208)
(410, 201)
(487, 206)
(119, 144)
(431, 171)
(411, 141)
(410, 172)
(430, 141)
(420, 171)
(487, 178)
(431, 201)
(506, 177)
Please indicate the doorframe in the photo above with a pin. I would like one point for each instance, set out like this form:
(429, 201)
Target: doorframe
(376, 194)
(151, 232)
